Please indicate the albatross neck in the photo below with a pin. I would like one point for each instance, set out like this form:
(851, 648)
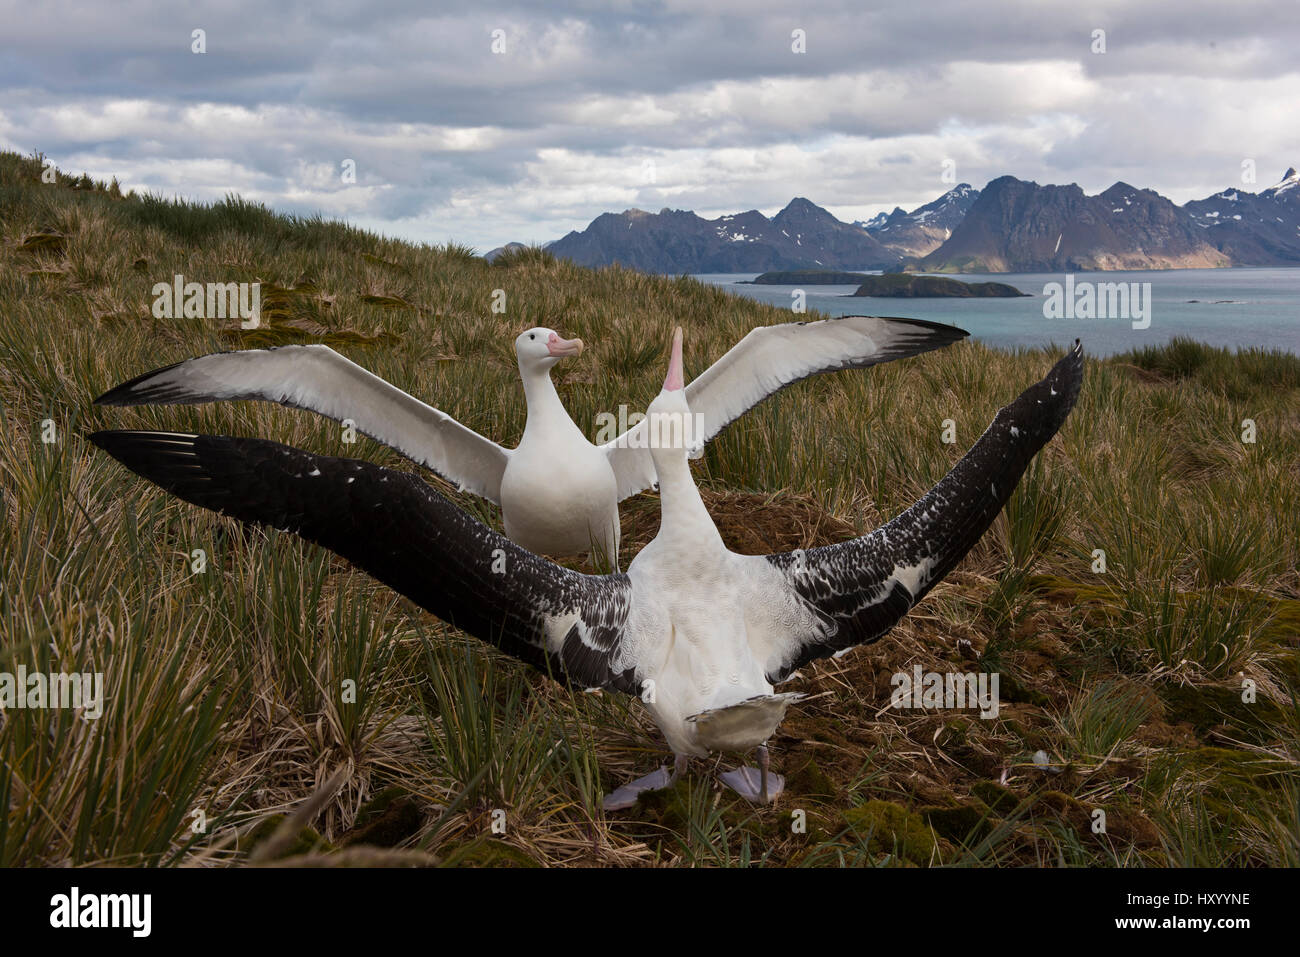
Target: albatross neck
(680, 505)
(546, 413)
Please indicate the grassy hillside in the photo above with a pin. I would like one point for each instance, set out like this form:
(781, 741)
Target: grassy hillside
(226, 738)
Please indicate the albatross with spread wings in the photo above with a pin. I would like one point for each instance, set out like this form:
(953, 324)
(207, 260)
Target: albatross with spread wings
(558, 492)
(707, 632)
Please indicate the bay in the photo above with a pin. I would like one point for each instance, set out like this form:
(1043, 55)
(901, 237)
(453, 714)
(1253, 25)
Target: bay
(1237, 308)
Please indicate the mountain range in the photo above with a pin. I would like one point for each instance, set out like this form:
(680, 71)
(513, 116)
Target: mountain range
(1011, 225)
(677, 241)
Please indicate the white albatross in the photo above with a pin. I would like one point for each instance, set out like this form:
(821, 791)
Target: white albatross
(699, 633)
(557, 491)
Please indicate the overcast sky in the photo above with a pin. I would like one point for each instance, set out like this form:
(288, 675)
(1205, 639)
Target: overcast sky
(588, 107)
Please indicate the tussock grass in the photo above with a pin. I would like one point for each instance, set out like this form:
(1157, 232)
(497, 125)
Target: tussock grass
(279, 685)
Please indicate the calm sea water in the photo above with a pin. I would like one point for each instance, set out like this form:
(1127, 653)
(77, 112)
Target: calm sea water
(1233, 307)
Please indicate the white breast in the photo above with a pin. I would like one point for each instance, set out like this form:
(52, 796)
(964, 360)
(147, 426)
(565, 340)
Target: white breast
(559, 497)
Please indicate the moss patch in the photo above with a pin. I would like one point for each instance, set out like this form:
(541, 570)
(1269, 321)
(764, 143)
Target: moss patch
(1012, 689)
(488, 851)
(1239, 770)
(306, 841)
(962, 823)
(810, 781)
(388, 820)
(1207, 707)
(1131, 826)
(889, 828)
(668, 807)
(1000, 799)
(1068, 809)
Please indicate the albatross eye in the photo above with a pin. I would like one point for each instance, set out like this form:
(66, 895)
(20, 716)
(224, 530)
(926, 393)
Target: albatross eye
(532, 335)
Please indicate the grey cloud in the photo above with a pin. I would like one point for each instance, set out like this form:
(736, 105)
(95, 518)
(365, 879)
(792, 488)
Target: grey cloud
(881, 106)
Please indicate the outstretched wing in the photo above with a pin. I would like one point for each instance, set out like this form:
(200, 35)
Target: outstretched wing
(399, 530)
(770, 358)
(318, 379)
(853, 592)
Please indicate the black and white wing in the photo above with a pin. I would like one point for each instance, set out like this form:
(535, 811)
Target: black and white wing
(318, 379)
(398, 529)
(851, 593)
(770, 358)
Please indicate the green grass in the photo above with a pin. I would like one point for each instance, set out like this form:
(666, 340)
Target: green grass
(279, 685)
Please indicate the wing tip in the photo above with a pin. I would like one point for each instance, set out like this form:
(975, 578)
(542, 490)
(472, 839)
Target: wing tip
(125, 444)
(103, 438)
(953, 333)
(941, 329)
(132, 393)
(1041, 410)
(915, 336)
(1069, 368)
(110, 440)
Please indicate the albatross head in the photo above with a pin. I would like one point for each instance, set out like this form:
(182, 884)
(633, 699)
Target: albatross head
(673, 429)
(539, 348)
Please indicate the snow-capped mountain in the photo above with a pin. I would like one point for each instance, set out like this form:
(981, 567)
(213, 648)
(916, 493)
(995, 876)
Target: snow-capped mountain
(1257, 229)
(1290, 179)
(925, 228)
(879, 220)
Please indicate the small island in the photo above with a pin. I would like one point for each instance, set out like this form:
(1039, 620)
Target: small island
(907, 286)
(807, 277)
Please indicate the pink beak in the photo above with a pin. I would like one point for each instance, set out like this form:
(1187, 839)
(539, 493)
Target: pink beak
(563, 347)
(673, 382)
